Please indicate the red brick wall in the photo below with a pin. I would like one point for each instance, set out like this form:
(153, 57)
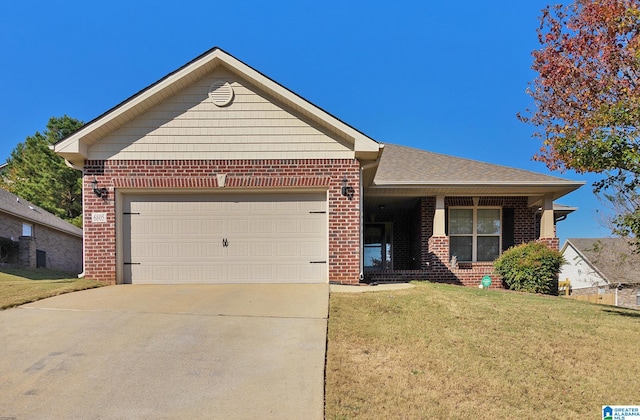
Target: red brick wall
(343, 214)
(470, 274)
(553, 243)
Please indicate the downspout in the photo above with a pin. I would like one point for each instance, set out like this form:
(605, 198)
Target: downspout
(362, 168)
(81, 169)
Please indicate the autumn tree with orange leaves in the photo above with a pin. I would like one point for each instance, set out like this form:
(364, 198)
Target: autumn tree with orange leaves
(587, 98)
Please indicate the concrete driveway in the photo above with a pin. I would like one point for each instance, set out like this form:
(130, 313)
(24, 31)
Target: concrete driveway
(196, 351)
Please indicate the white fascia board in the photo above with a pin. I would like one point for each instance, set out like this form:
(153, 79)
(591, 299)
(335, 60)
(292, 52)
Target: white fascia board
(362, 143)
(209, 62)
(76, 142)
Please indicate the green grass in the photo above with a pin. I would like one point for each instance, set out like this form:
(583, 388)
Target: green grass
(440, 351)
(18, 287)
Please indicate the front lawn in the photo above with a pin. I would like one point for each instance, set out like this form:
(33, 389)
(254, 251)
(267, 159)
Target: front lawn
(440, 351)
(18, 287)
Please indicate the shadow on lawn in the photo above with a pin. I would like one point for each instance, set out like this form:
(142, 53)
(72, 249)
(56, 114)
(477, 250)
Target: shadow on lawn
(39, 274)
(623, 312)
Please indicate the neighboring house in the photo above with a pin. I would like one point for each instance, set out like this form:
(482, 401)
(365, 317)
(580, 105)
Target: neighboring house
(32, 237)
(603, 265)
(217, 174)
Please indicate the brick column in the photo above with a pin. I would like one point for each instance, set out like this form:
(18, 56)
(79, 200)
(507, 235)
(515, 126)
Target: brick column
(27, 252)
(427, 210)
(553, 243)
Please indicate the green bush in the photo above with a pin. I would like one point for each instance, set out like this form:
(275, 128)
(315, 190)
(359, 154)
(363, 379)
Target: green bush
(532, 267)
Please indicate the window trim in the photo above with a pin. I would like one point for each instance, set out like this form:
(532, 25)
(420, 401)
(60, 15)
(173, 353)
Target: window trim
(27, 225)
(474, 230)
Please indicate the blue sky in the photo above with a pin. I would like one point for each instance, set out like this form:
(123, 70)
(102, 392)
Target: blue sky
(448, 77)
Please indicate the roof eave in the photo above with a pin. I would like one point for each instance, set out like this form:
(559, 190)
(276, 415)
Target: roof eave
(39, 222)
(556, 190)
(76, 144)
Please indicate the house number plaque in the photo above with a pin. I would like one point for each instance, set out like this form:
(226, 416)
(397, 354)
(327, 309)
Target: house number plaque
(99, 217)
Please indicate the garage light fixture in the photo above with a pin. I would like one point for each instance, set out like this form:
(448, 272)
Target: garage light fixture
(99, 192)
(347, 191)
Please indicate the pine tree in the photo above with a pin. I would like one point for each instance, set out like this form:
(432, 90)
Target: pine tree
(38, 175)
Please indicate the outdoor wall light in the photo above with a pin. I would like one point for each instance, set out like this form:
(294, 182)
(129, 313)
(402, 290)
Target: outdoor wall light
(347, 191)
(99, 192)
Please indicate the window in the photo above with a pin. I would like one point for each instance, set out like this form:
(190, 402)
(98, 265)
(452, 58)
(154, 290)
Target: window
(377, 247)
(474, 233)
(27, 229)
(638, 297)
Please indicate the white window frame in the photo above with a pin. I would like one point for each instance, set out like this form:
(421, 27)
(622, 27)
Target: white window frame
(27, 228)
(474, 232)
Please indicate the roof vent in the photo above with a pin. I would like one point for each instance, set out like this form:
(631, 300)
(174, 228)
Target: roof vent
(221, 93)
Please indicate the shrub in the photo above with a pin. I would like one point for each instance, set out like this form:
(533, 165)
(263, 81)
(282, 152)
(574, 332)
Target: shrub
(532, 267)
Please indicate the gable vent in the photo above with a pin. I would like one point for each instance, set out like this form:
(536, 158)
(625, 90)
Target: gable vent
(221, 93)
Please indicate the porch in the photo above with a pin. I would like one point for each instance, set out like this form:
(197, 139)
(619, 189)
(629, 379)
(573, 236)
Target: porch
(449, 239)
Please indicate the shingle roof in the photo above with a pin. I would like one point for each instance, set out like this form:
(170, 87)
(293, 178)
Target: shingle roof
(406, 165)
(12, 204)
(612, 257)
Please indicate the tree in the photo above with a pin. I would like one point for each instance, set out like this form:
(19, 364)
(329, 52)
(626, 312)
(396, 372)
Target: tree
(40, 176)
(587, 98)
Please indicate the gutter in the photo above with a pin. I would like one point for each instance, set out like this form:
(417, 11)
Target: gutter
(362, 168)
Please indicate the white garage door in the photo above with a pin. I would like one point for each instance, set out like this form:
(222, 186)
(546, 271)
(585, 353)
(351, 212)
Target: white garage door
(251, 238)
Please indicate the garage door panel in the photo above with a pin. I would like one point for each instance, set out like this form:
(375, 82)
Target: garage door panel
(288, 272)
(212, 226)
(189, 226)
(312, 226)
(237, 226)
(181, 238)
(237, 272)
(189, 250)
(311, 249)
(238, 250)
(141, 227)
(312, 271)
(261, 249)
(161, 226)
(286, 226)
(261, 226)
(212, 250)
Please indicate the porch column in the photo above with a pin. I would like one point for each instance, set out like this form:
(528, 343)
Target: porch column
(438, 218)
(547, 228)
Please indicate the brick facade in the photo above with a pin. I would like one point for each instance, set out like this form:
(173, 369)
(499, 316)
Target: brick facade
(63, 250)
(628, 296)
(194, 175)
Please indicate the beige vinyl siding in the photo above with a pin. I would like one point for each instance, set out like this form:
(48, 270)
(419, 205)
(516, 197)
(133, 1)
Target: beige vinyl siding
(189, 126)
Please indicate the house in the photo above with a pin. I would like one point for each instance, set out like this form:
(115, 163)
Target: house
(31, 237)
(603, 265)
(216, 173)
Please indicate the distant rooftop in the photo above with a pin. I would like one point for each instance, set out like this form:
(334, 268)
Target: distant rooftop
(613, 258)
(12, 204)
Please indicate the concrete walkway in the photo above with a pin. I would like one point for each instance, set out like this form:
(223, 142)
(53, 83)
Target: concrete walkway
(222, 351)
